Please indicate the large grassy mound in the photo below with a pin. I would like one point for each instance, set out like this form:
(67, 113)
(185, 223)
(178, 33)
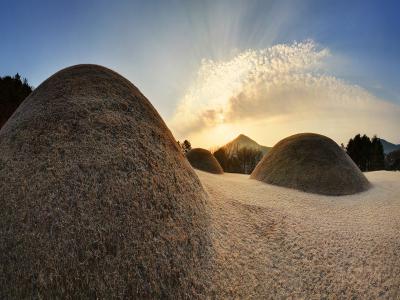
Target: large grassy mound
(96, 199)
(311, 163)
(203, 159)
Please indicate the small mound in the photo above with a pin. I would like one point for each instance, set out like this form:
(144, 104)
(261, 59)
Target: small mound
(97, 201)
(311, 163)
(203, 159)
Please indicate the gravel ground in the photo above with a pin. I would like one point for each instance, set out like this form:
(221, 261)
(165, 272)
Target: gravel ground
(274, 242)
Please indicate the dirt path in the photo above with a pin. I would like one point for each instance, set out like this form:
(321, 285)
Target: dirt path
(273, 242)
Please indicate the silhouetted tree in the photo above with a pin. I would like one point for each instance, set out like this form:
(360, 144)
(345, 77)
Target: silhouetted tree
(12, 92)
(238, 160)
(186, 146)
(248, 158)
(367, 154)
(234, 165)
(377, 155)
(392, 160)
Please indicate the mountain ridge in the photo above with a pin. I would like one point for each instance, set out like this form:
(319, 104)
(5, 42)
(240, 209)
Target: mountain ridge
(388, 146)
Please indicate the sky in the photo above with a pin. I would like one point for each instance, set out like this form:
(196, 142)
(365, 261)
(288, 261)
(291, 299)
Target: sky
(215, 69)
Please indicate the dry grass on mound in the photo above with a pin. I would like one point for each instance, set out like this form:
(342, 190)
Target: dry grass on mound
(96, 199)
(311, 163)
(203, 159)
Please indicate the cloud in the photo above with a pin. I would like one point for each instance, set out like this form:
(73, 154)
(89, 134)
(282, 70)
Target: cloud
(285, 82)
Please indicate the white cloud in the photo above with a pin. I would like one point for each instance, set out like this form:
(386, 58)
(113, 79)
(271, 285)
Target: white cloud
(284, 82)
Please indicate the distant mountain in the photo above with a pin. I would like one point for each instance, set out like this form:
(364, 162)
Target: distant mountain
(389, 147)
(243, 141)
(240, 155)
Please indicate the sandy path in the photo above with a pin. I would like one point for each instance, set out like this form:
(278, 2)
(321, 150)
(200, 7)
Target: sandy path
(273, 242)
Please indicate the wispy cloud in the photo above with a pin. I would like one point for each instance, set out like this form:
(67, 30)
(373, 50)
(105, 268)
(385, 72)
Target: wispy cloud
(286, 81)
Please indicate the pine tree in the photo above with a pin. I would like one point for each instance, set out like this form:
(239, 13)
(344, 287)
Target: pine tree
(12, 92)
(377, 155)
(186, 146)
(367, 154)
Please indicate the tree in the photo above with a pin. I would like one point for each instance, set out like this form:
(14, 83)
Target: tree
(367, 154)
(248, 158)
(238, 160)
(393, 160)
(377, 155)
(186, 146)
(12, 92)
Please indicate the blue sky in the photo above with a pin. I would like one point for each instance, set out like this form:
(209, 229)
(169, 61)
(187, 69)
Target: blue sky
(160, 45)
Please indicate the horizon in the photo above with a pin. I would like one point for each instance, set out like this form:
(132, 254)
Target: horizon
(270, 146)
(214, 70)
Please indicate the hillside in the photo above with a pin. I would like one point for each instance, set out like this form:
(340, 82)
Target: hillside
(243, 141)
(389, 147)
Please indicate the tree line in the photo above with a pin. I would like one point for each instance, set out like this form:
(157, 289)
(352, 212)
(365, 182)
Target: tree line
(366, 153)
(239, 160)
(392, 161)
(13, 90)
